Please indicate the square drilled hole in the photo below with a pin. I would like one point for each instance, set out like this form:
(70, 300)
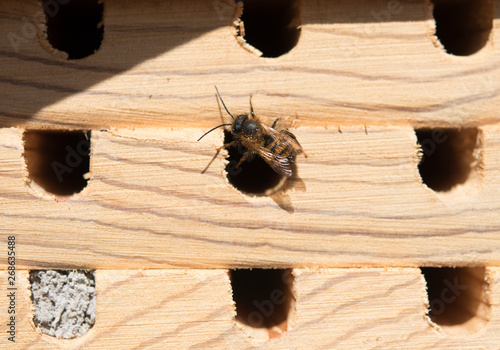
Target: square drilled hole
(264, 300)
(463, 26)
(458, 297)
(272, 27)
(58, 161)
(75, 26)
(64, 302)
(449, 156)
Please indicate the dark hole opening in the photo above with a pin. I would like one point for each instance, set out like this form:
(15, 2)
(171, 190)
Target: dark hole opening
(263, 298)
(271, 26)
(58, 161)
(463, 26)
(448, 156)
(75, 26)
(454, 294)
(254, 175)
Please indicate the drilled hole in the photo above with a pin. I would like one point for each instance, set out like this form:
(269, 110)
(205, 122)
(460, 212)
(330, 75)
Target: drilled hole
(463, 26)
(448, 156)
(458, 297)
(264, 300)
(64, 302)
(272, 27)
(58, 161)
(74, 26)
(254, 176)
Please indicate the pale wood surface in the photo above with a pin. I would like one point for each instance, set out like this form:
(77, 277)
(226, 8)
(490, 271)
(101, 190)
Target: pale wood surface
(159, 61)
(369, 308)
(359, 201)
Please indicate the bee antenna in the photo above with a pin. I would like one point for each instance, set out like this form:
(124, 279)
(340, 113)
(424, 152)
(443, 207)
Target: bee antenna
(220, 98)
(209, 131)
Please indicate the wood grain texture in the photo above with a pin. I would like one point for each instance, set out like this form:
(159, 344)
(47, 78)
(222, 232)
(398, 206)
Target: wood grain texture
(148, 221)
(359, 200)
(367, 308)
(159, 61)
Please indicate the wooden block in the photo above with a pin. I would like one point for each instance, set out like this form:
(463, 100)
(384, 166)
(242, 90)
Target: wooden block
(359, 201)
(335, 308)
(355, 223)
(158, 63)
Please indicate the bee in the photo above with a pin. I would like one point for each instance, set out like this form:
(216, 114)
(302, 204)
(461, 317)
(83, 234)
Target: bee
(278, 148)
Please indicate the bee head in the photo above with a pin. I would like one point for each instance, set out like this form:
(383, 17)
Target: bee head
(245, 125)
(238, 124)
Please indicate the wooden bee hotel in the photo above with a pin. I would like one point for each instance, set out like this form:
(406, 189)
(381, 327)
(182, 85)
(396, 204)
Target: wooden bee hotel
(338, 189)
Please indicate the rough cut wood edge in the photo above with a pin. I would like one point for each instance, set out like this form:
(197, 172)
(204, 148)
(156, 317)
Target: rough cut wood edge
(370, 308)
(359, 200)
(159, 61)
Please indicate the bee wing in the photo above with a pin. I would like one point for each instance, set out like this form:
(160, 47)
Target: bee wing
(292, 140)
(279, 163)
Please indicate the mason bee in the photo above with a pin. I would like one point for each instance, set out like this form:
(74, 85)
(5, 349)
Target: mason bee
(278, 148)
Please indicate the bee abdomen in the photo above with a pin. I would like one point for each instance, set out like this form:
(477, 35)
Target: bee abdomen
(268, 141)
(288, 152)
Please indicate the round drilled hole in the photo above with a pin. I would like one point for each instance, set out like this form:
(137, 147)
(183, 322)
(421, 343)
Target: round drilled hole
(458, 297)
(75, 26)
(448, 156)
(463, 26)
(254, 176)
(58, 161)
(272, 27)
(264, 300)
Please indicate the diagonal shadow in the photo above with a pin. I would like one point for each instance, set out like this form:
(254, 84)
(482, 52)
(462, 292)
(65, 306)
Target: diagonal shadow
(24, 90)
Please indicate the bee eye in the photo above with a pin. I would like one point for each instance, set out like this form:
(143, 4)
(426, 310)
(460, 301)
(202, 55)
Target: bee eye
(238, 124)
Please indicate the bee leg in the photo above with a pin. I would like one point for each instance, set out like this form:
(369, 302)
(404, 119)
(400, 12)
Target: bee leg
(245, 156)
(226, 145)
(274, 124)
